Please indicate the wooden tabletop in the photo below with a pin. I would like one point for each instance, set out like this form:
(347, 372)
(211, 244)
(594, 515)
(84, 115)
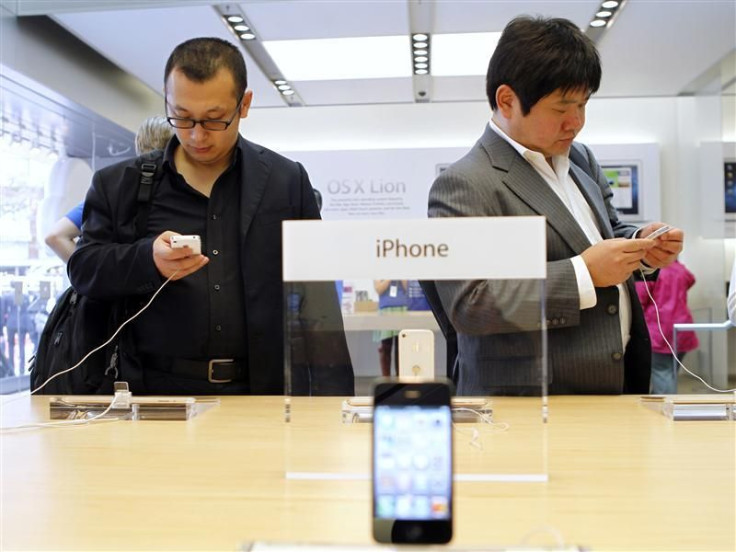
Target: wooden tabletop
(620, 477)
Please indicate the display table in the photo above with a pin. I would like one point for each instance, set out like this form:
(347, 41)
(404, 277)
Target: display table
(621, 476)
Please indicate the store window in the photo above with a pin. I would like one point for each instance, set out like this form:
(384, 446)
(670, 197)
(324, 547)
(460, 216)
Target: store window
(48, 153)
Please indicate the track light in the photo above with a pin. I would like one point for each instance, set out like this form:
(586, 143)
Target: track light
(604, 18)
(420, 55)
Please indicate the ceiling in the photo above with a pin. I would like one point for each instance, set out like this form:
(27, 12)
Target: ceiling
(654, 48)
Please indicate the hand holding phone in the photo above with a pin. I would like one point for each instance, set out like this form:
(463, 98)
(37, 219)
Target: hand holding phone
(412, 462)
(191, 241)
(659, 232)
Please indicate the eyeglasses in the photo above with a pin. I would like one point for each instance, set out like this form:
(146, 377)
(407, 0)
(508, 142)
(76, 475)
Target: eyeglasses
(207, 124)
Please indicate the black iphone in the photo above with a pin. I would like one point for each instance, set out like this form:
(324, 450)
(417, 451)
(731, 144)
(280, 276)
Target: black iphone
(412, 462)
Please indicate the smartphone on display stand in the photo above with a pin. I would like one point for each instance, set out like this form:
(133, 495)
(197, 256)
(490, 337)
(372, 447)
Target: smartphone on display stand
(412, 462)
(416, 354)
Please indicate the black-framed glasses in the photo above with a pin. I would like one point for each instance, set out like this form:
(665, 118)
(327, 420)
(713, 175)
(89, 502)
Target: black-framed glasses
(207, 124)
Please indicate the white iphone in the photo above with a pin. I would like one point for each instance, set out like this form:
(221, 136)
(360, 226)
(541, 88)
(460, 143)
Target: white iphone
(192, 242)
(416, 354)
(662, 230)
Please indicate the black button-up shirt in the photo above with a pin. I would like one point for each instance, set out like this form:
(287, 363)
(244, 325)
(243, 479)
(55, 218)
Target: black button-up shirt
(201, 316)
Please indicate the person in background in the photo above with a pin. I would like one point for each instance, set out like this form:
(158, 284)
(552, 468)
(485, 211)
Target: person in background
(152, 135)
(392, 299)
(527, 163)
(417, 301)
(668, 297)
(20, 325)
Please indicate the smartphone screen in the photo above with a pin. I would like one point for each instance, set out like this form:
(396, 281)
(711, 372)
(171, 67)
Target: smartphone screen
(412, 463)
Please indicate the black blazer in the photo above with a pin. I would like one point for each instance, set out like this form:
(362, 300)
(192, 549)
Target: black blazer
(108, 263)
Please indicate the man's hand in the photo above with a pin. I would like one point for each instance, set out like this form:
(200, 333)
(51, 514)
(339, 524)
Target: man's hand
(168, 260)
(611, 262)
(666, 247)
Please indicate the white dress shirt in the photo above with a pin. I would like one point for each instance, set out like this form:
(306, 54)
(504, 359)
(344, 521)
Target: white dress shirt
(559, 179)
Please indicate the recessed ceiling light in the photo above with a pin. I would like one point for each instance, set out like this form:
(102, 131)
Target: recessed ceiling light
(241, 28)
(421, 58)
(280, 81)
(247, 36)
(287, 92)
(419, 36)
(234, 19)
(604, 13)
(421, 71)
(421, 66)
(420, 44)
(609, 4)
(420, 52)
(462, 54)
(597, 23)
(284, 87)
(334, 58)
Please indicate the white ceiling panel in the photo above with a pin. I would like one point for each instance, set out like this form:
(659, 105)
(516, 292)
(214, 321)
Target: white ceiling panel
(459, 89)
(300, 19)
(352, 92)
(470, 16)
(653, 49)
(140, 41)
(687, 39)
(342, 58)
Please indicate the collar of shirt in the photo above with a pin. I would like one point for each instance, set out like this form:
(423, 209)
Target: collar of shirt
(561, 163)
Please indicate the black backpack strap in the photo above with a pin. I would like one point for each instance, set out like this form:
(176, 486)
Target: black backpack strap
(150, 170)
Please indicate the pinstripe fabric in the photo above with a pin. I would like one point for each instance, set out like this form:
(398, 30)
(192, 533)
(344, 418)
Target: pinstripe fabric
(497, 321)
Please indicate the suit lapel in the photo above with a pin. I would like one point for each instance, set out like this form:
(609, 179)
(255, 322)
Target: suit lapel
(592, 194)
(524, 181)
(255, 171)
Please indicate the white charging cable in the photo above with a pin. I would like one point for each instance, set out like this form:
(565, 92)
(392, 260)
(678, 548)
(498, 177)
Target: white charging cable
(93, 351)
(97, 417)
(475, 433)
(672, 350)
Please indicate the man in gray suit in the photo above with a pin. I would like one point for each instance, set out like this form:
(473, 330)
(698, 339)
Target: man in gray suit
(539, 80)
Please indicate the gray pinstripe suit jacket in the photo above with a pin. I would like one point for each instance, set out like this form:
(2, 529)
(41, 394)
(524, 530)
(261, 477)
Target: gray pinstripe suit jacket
(497, 321)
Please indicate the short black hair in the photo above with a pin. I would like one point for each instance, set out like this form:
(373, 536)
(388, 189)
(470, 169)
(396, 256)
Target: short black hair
(536, 56)
(201, 58)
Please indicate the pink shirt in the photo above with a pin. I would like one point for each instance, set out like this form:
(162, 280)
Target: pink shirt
(670, 293)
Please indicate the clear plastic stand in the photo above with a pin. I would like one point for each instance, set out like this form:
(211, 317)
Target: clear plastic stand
(715, 406)
(332, 351)
(124, 406)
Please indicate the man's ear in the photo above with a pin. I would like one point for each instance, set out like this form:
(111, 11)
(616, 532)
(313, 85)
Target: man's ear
(245, 104)
(506, 100)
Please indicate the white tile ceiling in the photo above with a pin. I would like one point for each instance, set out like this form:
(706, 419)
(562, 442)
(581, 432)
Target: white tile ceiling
(654, 48)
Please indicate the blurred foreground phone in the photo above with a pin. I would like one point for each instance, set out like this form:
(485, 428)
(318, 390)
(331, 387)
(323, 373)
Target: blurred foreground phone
(412, 462)
(416, 354)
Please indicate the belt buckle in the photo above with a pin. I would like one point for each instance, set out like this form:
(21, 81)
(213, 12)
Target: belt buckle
(211, 365)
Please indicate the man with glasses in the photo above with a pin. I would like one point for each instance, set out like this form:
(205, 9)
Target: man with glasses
(217, 327)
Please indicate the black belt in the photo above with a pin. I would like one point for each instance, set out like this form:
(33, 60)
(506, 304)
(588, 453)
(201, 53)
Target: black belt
(216, 370)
